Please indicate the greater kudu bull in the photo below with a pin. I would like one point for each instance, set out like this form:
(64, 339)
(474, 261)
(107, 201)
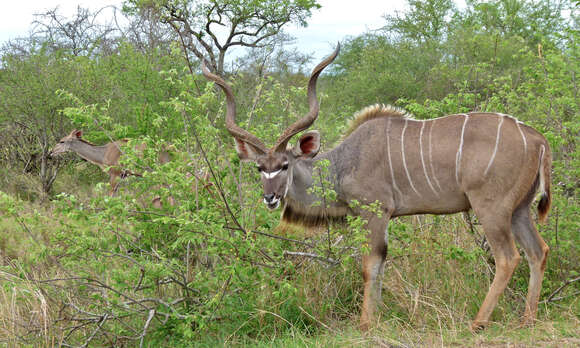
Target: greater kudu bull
(488, 162)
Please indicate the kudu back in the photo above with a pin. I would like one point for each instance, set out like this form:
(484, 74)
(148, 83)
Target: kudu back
(488, 162)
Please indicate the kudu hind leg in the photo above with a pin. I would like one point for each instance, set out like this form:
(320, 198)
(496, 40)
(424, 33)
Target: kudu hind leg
(113, 183)
(501, 241)
(373, 266)
(536, 252)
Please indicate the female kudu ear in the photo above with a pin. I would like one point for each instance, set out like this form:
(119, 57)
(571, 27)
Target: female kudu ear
(308, 145)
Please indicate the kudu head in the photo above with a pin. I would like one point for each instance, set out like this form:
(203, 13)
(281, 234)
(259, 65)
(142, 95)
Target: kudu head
(64, 144)
(275, 164)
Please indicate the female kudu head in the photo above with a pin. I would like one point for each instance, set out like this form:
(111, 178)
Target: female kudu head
(275, 164)
(65, 143)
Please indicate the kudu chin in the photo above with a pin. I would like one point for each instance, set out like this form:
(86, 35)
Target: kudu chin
(488, 162)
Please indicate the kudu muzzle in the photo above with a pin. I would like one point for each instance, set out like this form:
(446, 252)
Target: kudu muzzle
(273, 192)
(271, 200)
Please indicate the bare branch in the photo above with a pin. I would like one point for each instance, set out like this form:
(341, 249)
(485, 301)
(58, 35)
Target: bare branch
(103, 319)
(273, 236)
(332, 262)
(151, 314)
(558, 290)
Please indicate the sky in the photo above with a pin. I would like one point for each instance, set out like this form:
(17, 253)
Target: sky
(336, 19)
(17, 16)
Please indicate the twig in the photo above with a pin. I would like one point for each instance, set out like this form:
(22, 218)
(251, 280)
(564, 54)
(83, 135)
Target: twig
(216, 180)
(141, 276)
(557, 253)
(150, 213)
(266, 256)
(151, 314)
(187, 266)
(316, 320)
(272, 236)
(103, 319)
(225, 287)
(25, 228)
(558, 290)
(563, 297)
(482, 243)
(311, 255)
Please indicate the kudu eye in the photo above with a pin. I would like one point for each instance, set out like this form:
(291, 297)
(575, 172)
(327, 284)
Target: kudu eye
(285, 166)
(259, 169)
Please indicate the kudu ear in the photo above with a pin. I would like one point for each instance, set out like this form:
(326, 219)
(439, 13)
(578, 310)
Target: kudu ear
(77, 133)
(308, 145)
(246, 151)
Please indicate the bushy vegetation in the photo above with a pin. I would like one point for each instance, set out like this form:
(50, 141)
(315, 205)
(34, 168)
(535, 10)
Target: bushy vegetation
(82, 268)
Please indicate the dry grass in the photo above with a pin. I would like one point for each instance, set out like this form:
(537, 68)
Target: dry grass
(26, 314)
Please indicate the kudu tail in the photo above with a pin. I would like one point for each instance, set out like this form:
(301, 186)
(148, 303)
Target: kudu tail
(545, 179)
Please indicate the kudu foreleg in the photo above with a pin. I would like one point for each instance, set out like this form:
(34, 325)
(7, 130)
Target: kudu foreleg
(373, 266)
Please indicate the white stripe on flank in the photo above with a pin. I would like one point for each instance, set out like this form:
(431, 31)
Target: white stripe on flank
(459, 150)
(389, 158)
(523, 137)
(496, 145)
(422, 160)
(431, 155)
(403, 155)
(518, 122)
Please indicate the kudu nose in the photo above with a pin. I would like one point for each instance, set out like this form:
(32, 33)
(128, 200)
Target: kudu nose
(268, 197)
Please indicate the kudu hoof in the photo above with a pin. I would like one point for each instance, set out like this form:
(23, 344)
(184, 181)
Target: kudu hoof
(364, 325)
(527, 322)
(477, 326)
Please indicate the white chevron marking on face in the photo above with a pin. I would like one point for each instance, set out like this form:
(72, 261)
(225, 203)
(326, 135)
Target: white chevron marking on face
(272, 174)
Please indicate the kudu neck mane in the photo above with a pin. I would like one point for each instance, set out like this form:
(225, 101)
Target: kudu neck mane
(374, 111)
